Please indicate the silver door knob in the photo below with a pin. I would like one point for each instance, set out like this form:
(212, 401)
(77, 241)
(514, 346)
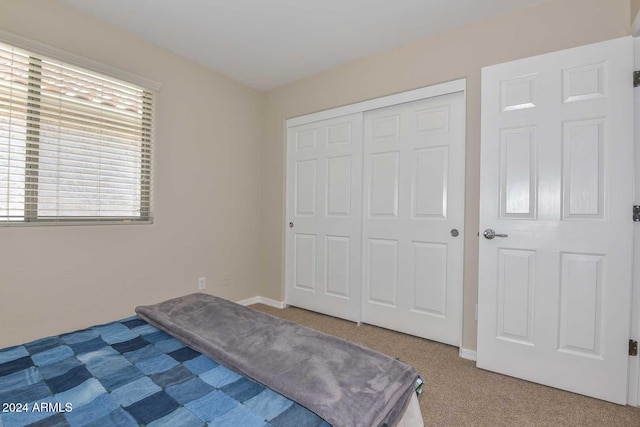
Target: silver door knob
(490, 234)
(454, 232)
(291, 225)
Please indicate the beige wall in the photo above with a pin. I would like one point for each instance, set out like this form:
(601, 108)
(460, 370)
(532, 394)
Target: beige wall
(207, 199)
(635, 8)
(546, 27)
(219, 199)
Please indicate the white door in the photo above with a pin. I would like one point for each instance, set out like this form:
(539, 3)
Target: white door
(324, 199)
(556, 178)
(414, 217)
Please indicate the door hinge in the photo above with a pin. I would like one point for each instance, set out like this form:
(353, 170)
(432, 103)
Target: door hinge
(633, 348)
(636, 213)
(636, 78)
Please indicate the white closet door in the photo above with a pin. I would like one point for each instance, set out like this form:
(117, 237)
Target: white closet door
(414, 217)
(324, 199)
(556, 179)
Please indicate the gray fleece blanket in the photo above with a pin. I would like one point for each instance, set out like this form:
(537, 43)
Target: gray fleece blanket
(342, 382)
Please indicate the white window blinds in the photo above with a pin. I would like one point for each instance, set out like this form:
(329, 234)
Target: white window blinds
(75, 146)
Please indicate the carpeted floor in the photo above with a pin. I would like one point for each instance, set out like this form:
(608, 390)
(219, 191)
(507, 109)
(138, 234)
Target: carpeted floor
(459, 394)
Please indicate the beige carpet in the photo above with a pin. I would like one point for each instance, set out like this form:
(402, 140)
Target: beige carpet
(459, 394)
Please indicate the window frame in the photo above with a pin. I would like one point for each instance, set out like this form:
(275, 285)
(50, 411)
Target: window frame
(147, 143)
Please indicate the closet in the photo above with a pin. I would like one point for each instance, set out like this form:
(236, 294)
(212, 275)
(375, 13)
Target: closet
(375, 212)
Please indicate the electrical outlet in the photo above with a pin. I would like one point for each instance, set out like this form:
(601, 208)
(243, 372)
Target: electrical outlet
(202, 283)
(227, 279)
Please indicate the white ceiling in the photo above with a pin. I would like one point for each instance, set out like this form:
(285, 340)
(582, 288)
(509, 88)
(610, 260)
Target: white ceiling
(268, 43)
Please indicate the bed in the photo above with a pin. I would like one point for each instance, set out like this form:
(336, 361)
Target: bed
(130, 373)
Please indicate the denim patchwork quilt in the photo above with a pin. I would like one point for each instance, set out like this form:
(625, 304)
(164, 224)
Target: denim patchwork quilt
(129, 373)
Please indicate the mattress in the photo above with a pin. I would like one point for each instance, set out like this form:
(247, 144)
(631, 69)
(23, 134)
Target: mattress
(129, 373)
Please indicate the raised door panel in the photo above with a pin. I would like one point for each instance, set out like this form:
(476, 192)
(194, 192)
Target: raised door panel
(306, 184)
(306, 139)
(383, 185)
(518, 93)
(583, 169)
(432, 120)
(383, 271)
(339, 186)
(584, 82)
(518, 172)
(581, 304)
(385, 128)
(430, 278)
(338, 265)
(431, 174)
(516, 287)
(339, 134)
(305, 262)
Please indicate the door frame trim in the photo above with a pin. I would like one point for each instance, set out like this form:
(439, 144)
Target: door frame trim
(633, 394)
(635, 25)
(453, 86)
(446, 88)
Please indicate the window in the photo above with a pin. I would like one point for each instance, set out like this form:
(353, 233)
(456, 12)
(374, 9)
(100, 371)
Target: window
(75, 145)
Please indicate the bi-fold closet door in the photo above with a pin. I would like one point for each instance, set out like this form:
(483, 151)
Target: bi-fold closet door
(375, 205)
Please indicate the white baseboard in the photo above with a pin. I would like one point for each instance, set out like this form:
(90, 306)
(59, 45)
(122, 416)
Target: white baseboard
(262, 300)
(468, 354)
(271, 302)
(249, 301)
